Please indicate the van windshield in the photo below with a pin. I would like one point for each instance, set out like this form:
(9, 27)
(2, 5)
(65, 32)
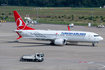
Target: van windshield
(42, 55)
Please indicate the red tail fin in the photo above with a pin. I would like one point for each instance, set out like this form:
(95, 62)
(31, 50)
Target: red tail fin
(20, 23)
(68, 28)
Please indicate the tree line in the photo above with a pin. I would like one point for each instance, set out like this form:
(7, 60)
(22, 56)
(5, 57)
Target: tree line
(55, 3)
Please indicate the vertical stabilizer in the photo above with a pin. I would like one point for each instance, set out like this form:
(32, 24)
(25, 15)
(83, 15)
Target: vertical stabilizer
(68, 28)
(20, 23)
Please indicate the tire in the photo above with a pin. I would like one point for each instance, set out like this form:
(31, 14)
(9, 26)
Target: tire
(42, 60)
(93, 45)
(21, 59)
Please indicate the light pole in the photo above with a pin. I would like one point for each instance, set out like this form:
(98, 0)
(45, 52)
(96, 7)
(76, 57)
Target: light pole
(92, 16)
(37, 13)
(4, 9)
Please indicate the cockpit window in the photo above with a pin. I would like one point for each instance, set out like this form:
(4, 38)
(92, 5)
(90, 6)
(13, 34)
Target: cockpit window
(96, 35)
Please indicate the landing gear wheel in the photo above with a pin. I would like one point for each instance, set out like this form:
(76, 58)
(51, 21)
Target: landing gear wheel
(93, 44)
(52, 43)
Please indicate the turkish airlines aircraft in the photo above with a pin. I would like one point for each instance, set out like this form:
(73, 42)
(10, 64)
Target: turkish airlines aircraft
(56, 37)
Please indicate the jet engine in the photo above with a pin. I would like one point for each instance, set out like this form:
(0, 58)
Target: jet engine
(60, 42)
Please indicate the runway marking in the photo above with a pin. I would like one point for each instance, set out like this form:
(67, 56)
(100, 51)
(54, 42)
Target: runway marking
(103, 66)
(82, 61)
(90, 62)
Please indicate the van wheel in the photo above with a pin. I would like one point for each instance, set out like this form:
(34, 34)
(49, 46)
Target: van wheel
(21, 59)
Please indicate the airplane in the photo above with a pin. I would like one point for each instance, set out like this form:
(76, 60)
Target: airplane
(57, 37)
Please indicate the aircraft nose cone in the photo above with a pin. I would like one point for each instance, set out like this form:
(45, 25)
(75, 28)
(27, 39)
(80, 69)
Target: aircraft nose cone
(101, 38)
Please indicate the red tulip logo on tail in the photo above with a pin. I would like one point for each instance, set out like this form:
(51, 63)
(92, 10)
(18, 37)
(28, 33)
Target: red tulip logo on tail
(20, 24)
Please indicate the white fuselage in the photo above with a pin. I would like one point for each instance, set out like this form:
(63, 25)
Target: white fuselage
(56, 37)
(69, 36)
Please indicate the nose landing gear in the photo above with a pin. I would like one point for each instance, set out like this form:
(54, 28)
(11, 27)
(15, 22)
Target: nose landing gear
(94, 43)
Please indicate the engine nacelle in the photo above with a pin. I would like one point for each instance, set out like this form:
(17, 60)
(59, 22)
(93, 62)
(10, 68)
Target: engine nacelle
(60, 42)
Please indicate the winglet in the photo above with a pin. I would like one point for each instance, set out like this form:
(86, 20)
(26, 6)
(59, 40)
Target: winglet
(68, 28)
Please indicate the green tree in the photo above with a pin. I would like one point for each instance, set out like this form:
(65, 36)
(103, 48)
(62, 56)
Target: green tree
(55, 3)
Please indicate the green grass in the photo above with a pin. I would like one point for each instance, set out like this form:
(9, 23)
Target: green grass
(43, 12)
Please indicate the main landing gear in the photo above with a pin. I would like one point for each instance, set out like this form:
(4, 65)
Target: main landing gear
(92, 44)
(52, 43)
